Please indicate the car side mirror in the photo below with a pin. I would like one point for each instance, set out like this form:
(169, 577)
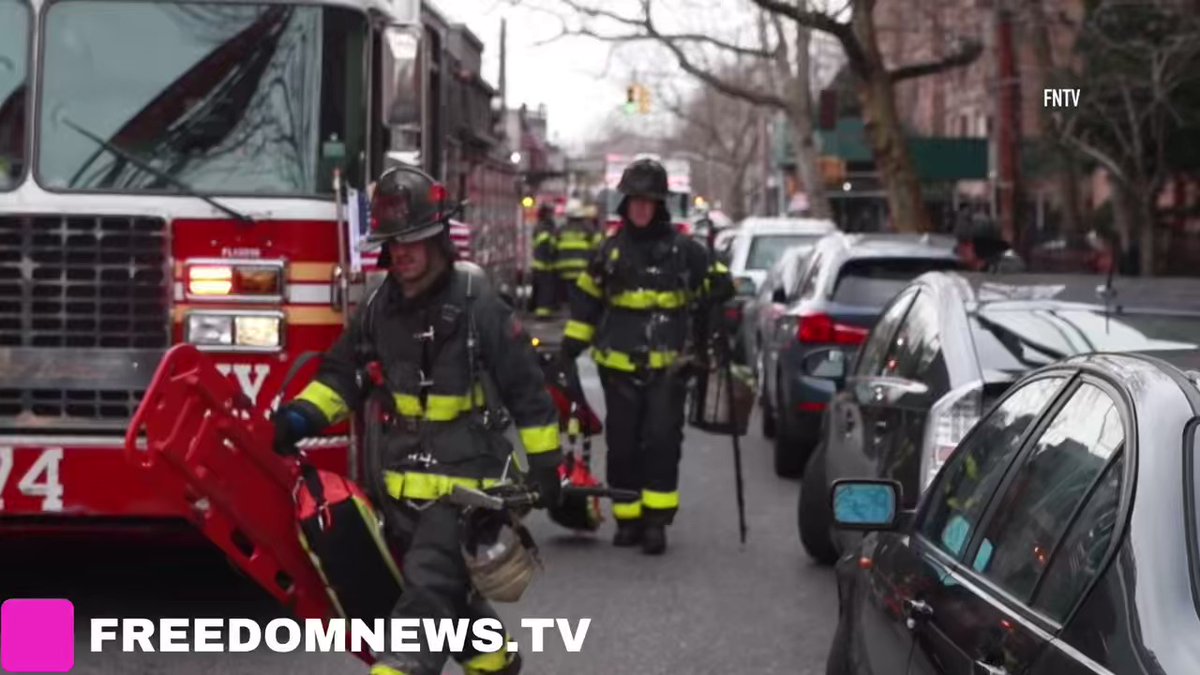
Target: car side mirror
(779, 297)
(865, 504)
(745, 286)
(830, 363)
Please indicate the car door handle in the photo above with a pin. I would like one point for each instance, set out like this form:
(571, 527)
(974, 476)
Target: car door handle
(985, 668)
(916, 610)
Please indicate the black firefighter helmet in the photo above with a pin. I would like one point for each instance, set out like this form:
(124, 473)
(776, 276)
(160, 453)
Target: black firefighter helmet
(645, 178)
(408, 205)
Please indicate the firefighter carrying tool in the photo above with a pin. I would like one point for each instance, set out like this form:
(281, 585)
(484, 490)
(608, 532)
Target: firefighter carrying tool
(646, 295)
(577, 241)
(444, 352)
(545, 275)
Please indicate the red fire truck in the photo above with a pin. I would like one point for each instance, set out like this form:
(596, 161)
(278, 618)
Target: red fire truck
(167, 175)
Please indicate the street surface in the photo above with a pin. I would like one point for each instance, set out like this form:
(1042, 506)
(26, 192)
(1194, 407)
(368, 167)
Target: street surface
(707, 606)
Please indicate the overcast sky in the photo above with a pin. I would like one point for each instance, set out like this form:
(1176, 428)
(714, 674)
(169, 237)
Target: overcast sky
(568, 76)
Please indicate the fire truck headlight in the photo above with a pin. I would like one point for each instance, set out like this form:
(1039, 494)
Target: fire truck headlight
(257, 331)
(210, 329)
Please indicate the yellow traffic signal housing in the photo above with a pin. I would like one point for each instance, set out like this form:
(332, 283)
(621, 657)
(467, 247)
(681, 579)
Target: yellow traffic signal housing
(643, 100)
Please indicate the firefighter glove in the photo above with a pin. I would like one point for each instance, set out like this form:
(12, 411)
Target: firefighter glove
(291, 426)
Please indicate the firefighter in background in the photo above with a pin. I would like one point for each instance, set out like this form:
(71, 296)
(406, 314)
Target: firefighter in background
(440, 337)
(576, 243)
(644, 305)
(545, 275)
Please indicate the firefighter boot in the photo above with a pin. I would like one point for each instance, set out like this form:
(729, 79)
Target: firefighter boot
(629, 533)
(654, 538)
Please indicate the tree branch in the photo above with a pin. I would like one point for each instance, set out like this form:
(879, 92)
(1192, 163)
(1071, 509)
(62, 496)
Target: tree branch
(823, 22)
(966, 54)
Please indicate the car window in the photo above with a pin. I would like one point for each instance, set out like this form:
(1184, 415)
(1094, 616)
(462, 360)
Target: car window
(876, 347)
(871, 282)
(808, 283)
(1054, 479)
(1077, 561)
(962, 490)
(765, 249)
(917, 344)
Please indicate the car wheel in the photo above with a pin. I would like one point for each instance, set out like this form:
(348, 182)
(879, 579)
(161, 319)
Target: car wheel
(814, 516)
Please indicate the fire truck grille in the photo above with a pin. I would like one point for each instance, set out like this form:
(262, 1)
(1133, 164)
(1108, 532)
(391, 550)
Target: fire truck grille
(83, 281)
(51, 404)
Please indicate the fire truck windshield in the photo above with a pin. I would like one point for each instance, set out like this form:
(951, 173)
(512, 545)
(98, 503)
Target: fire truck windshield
(14, 53)
(228, 99)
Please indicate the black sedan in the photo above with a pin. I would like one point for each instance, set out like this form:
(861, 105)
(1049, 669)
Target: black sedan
(947, 347)
(1060, 537)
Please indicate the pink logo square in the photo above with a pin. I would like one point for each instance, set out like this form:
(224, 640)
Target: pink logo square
(37, 636)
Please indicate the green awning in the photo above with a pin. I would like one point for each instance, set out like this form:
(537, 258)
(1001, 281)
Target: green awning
(937, 159)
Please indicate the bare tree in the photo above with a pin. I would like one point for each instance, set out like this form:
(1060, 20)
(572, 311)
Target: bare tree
(784, 39)
(781, 80)
(1139, 63)
(723, 132)
(859, 39)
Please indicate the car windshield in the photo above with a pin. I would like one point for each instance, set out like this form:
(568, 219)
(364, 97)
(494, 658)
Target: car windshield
(1018, 339)
(872, 282)
(14, 89)
(225, 98)
(766, 249)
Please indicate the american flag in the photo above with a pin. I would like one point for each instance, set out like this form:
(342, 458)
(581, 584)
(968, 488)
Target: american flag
(460, 234)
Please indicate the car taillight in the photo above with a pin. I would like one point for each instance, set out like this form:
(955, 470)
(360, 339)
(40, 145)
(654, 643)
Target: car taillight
(258, 281)
(733, 313)
(950, 418)
(822, 329)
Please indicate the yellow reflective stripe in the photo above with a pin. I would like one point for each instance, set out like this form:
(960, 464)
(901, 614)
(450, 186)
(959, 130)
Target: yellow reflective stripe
(538, 440)
(542, 266)
(660, 500)
(576, 245)
(541, 237)
(720, 268)
(588, 285)
(543, 311)
(418, 485)
(627, 510)
(644, 299)
(578, 330)
(570, 275)
(439, 407)
(493, 662)
(328, 401)
(575, 263)
(380, 669)
(622, 361)
(574, 427)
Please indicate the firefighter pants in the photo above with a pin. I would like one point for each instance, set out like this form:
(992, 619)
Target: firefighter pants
(545, 292)
(438, 586)
(644, 433)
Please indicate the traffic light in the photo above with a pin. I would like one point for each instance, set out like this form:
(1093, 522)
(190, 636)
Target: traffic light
(631, 99)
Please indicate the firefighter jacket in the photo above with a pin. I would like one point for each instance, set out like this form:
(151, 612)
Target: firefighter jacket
(644, 297)
(545, 246)
(575, 246)
(439, 385)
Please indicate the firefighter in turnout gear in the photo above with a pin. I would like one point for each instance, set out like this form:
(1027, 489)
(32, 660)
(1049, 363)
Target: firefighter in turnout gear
(577, 241)
(436, 346)
(545, 274)
(644, 306)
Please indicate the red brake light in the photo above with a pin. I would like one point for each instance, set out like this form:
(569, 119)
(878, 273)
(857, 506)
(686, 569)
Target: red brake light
(733, 313)
(821, 329)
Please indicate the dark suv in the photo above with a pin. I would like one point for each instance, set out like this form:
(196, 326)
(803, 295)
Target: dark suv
(946, 348)
(840, 288)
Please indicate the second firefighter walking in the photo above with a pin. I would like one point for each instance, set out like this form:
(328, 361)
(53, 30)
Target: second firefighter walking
(644, 305)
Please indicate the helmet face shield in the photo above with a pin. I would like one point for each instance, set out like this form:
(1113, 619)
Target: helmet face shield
(407, 206)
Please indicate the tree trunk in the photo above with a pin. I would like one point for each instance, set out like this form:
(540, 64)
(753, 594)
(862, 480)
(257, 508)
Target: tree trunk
(1144, 199)
(736, 194)
(1068, 177)
(886, 134)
